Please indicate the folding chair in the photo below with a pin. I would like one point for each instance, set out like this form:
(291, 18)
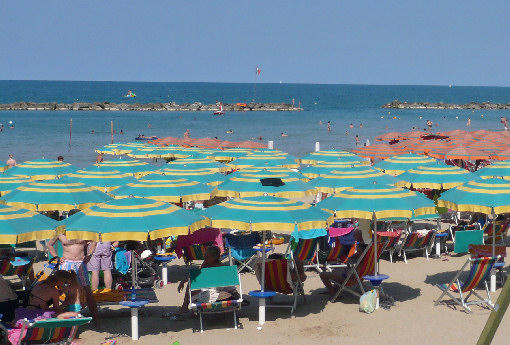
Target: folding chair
(480, 271)
(391, 238)
(500, 231)
(240, 249)
(17, 266)
(214, 279)
(364, 266)
(306, 251)
(341, 249)
(485, 250)
(417, 241)
(51, 331)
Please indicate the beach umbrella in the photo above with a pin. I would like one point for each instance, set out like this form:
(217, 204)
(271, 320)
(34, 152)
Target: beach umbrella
(266, 213)
(41, 169)
(165, 188)
(8, 183)
(496, 169)
(425, 146)
(326, 156)
(198, 152)
(488, 145)
(264, 159)
(502, 155)
(142, 152)
(167, 152)
(19, 225)
(207, 142)
(54, 195)
(279, 172)
(339, 180)
(491, 196)
(264, 183)
(324, 168)
(389, 136)
(196, 164)
(248, 144)
(126, 165)
(108, 149)
(439, 176)
(397, 165)
(230, 154)
(129, 147)
(134, 219)
(225, 144)
(461, 152)
(376, 201)
(381, 151)
(206, 176)
(97, 178)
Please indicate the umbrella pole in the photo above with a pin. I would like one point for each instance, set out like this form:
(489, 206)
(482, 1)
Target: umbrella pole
(133, 269)
(262, 301)
(493, 270)
(376, 264)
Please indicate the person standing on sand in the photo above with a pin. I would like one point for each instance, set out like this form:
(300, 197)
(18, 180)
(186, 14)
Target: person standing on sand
(11, 162)
(186, 134)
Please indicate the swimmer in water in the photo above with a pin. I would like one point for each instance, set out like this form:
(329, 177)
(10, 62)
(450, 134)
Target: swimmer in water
(351, 126)
(284, 135)
(230, 131)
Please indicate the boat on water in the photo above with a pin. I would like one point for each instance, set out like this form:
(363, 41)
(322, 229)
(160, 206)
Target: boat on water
(130, 94)
(143, 137)
(220, 110)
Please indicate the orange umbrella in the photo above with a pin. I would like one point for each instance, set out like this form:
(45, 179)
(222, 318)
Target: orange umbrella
(461, 152)
(380, 151)
(206, 142)
(501, 156)
(487, 145)
(481, 133)
(456, 133)
(425, 146)
(389, 136)
(251, 145)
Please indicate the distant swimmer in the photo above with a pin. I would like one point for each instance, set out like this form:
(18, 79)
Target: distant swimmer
(357, 140)
(60, 158)
(230, 131)
(260, 137)
(468, 122)
(284, 135)
(121, 131)
(346, 132)
(1, 127)
(186, 134)
(429, 124)
(329, 126)
(149, 126)
(360, 125)
(351, 126)
(11, 162)
(320, 123)
(92, 132)
(99, 158)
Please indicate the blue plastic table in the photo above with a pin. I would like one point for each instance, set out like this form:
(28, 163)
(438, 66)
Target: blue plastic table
(262, 295)
(376, 281)
(134, 305)
(164, 259)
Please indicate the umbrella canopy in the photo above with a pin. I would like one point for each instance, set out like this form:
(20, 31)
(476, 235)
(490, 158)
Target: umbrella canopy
(41, 169)
(264, 183)
(488, 145)
(400, 164)
(165, 188)
(207, 142)
(8, 183)
(129, 147)
(496, 169)
(278, 172)
(264, 159)
(390, 136)
(196, 164)
(461, 152)
(18, 225)
(131, 219)
(324, 168)
(108, 149)
(440, 176)
(54, 195)
(230, 154)
(267, 213)
(382, 200)
(167, 152)
(206, 176)
(337, 181)
(501, 156)
(142, 152)
(326, 156)
(102, 180)
(381, 151)
(126, 165)
(426, 146)
(248, 144)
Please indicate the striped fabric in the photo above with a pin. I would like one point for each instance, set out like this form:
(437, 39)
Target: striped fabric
(306, 250)
(480, 270)
(194, 252)
(390, 237)
(366, 266)
(217, 305)
(7, 269)
(500, 229)
(47, 334)
(276, 276)
(415, 241)
(341, 252)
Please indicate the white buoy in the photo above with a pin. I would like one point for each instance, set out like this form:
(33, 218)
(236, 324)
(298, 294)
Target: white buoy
(317, 146)
(270, 144)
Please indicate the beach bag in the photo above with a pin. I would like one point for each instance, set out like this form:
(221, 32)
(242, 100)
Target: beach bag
(367, 301)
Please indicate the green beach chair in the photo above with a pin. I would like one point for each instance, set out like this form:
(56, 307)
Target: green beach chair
(51, 331)
(466, 237)
(207, 281)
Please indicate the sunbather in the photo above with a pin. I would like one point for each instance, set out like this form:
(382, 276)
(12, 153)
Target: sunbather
(45, 294)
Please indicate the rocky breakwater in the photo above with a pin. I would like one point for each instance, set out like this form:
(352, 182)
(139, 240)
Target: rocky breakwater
(426, 105)
(171, 106)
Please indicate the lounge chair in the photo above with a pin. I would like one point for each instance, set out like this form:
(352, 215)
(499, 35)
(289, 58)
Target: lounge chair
(500, 232)
(193, 252)
(417, 241)
(392, 239)
(485, 250)
(240, 248)
(278, 278)
(341, 249)
(214, 279)
(20, 266)
(51, 331)
(306, 251)
(364, 266)
(480, 271)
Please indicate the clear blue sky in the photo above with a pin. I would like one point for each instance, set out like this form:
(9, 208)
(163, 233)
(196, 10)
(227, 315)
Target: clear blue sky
(432, 42)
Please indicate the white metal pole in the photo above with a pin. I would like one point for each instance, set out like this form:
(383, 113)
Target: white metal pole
(493, 270)
(134, 323)
(262, 301)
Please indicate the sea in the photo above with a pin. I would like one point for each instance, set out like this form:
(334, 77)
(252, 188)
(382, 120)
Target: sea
(48, 134)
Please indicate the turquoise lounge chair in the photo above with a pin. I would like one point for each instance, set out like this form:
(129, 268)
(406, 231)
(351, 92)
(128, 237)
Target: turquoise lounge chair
(51, 331)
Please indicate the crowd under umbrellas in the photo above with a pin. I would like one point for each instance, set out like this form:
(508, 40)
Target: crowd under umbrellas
(130, 199)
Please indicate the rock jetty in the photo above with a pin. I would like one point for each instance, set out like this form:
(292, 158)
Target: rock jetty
(171, 106)
(426, 105)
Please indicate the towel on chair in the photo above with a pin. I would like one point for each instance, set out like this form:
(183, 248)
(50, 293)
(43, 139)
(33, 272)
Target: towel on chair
(198, 237)
(121, 261)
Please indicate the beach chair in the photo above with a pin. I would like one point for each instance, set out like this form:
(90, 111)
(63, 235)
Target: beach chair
(456, 290)
(417, 241)
(306, 251)
(209, 281)
(500, 231)
(17, 266)
(240, 249)
(342, 246)
(485, 250)
(392, 240)
(466, 237)
(364, 266)
(193, 252)
(50, 331)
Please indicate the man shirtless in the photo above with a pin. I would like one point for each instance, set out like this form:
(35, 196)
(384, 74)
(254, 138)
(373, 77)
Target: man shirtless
(76, 254)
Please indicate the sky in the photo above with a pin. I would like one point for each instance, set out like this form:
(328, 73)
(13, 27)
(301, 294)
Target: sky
(417, 42)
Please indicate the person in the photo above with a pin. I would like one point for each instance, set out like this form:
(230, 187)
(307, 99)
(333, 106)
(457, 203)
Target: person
(357, 140)
(360, 125)
(329, 126)
(284, 135)
(1, 127)
(149, 126)
(504, 121)
(260, 137)
(11, 162)
(101, 260)
(46, 293)
(76, 254)
(346, 132)
(320, 123)
(469, 121)
(212, 259)
(429, 124)
(186, 134)
(60, 158)
(121, 131)
(99, 158)
(351, 126)
(92, 132)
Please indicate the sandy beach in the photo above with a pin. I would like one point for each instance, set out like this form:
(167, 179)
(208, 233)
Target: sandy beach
(413, 319)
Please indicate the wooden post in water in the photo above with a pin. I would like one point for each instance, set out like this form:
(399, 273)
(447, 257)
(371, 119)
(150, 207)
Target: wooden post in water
(496, 316)
(111, 129)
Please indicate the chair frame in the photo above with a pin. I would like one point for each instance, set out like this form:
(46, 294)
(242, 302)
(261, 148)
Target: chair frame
(243, 263)
(425, 244)
(463, 301)
(307, 261)
(67, 339)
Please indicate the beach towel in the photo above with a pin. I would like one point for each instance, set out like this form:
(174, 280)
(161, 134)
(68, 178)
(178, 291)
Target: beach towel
(121, 261)
(198, 237)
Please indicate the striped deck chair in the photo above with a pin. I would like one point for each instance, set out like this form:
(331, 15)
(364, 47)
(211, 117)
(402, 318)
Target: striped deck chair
(215, 279)
(278, 279)
(194, 252)
(364, 266)
(485, 250)
(391, 238)
(51, 331)
(415, 241)
(8, 267)
(501, 231)
(341, 249)
(480, 271)
(306, 251)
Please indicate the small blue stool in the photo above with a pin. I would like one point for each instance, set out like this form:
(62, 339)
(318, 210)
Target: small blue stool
(134, 305)
(376, 281)
(262, 296)
(164, 259)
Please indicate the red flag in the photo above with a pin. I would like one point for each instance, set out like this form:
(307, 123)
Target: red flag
(257, 71)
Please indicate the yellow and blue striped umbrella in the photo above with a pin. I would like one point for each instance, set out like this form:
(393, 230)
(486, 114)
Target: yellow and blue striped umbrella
(142, 152)
(41, 169)
(325, 168)
(126, 165)
(397, 165)
(102, 180)
(8, 183)
(440, 176)
(339, 180)
(328, 156)
(264, 159)
(132, 219)
(54, 195)
(229, 155)
(108, 149)
(496, 169)
(194, 164)
(129, 147)
(206, 176)
(18, 225)
(167, 152)
(165, 188)
(280, 172)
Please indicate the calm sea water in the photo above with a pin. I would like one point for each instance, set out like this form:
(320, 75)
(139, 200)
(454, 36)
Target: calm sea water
(38, 134)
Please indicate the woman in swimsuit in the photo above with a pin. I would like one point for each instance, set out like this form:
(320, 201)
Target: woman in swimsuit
(47, 292)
